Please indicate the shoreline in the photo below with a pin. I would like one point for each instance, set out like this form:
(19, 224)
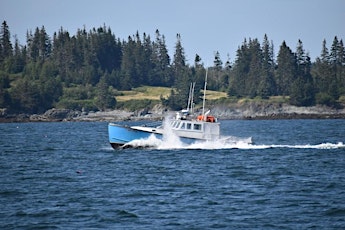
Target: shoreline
(222, 112)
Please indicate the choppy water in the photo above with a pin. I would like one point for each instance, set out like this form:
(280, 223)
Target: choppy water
(66, 176)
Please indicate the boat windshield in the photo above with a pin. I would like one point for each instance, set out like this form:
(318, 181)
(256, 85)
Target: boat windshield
(186, 125)
(197, 127)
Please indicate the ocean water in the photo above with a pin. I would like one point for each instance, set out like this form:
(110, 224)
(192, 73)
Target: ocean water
(66, 176)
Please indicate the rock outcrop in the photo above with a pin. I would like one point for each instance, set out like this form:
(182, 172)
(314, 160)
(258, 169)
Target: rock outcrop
(245, 110)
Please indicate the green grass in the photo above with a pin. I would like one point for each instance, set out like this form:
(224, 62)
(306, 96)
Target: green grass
(144, 93)
(155, 93)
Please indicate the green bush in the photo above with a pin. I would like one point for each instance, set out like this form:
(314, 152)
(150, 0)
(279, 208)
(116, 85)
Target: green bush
(325, 99)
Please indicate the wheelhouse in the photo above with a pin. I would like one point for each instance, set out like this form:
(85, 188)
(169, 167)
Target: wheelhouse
(187, 125)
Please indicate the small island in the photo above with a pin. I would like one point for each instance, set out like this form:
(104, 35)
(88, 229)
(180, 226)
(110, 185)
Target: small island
(95, 75)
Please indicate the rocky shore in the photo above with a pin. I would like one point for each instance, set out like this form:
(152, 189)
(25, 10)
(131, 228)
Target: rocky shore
(250, 110)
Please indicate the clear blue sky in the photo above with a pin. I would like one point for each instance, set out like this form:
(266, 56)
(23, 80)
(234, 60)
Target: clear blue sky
(206, 26)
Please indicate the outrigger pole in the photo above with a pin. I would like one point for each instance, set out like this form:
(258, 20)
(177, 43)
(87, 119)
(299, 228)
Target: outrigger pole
(191, 97)
(204, 99)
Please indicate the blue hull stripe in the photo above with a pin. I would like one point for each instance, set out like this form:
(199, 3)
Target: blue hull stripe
(121, 135)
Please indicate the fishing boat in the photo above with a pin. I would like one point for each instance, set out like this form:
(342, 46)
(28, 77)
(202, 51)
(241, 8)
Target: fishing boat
(188, 129)
(185, 125)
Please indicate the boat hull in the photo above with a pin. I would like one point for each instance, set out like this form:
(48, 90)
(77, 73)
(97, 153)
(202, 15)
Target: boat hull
(121, 135)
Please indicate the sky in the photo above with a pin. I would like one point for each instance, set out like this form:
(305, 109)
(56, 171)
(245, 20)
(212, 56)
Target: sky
(205, 26)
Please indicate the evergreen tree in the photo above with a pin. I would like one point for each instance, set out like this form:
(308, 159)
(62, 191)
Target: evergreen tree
(337, 62)
(39, 45)
(302, 93)
(179, 62)
(49, 85)
(61, 54)
(322, 74)
(141, 69)
(255, 68)
(215, 73)
(5, 42)
(198, 77)
(128, 64)
(267, 86)
(217, 61)
(17, 62)
(182, 77)
(44, 45)
(227, 63)
(164, 70)
(240, 71)
(26, 96)
(5, 99)
(104, 99)
(286, 71)
(150, 77)
(197, 61)
(341, 67)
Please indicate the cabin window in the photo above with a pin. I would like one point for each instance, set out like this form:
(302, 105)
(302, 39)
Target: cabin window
(175, 124)
(197, 127)
(189, 126)
(183, 126)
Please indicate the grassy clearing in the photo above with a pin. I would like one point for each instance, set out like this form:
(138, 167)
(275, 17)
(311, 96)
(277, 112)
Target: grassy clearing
(144, 93)
(154, 93)
(214, 95)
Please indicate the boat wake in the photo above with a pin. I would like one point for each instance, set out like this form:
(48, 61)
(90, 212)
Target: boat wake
(171, 141)
(229, 142)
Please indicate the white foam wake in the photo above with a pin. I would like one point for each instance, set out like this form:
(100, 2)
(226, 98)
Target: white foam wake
(241, 143)
(171, 141)
(317, 146)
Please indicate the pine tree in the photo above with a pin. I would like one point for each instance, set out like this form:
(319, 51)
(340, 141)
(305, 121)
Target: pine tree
(228, 63)
(322, 74)
(128, 65)
(341, 67)
(164, 63)
(302, 92)
(5, 99)
(44, 45)
(160, 72)
(286, 71)
(240, 71)
(104, 100)
(255, 68)
(217, 61)
(179, 62)
(215, 73)
(337, 62)
(182, 76)
(26, 96)
(50, 85)
(6, 50)
(266, 86)
(18, 60)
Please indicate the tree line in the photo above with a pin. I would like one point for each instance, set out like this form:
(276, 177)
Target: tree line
(86, 70)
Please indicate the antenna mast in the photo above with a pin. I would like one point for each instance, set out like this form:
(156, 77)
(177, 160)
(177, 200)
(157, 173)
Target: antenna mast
(204, 99)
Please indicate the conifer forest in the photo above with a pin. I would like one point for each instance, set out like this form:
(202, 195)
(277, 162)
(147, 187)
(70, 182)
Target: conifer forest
(88, 69)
